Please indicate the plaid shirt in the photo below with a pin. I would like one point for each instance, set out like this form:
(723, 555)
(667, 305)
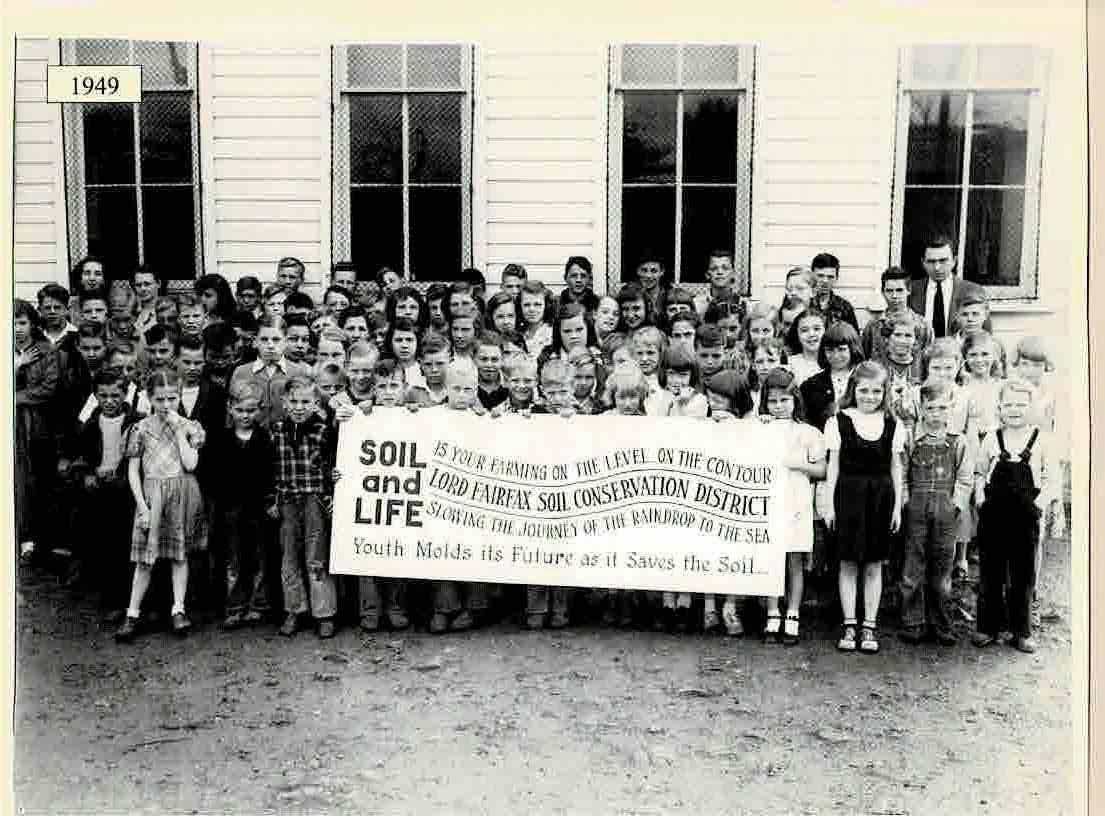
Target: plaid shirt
(303, 456)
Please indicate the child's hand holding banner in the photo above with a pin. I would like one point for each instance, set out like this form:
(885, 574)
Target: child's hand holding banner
(446, 495)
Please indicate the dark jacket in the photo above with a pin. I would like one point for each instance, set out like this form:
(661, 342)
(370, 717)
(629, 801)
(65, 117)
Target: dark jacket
(236, 474)
(918, 290)
(819, 399)
(88, 443)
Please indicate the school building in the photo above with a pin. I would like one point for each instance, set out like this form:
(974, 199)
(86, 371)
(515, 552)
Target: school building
(432, 157)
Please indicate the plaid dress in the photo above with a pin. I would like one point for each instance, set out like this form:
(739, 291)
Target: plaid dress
(177, 521)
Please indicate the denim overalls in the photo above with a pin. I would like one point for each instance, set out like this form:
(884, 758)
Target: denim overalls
(1009, 526)
(930, 540)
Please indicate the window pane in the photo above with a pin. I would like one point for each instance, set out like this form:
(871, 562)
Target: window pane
(648, 138)
(374, 66)
(375, 139)
(648, 223)
(1004, 62)
(108, 144)
(711, 63)
(649, 64)
(103, 52)
(435, 220)
(709, 222)
(926, 213)
(935, 154)
(164, 64)
(435, 137)
(995, 226)
(165, 120)
(112, 218)
(710, 137)
(939, 63)
(433, 66)
(169, 231)
(999, 139)
(376, 228)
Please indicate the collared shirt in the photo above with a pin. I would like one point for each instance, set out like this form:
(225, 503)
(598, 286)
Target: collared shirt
(837, 309)
(930, 300)
(302, 457)
(55, 339)
(271, 383)
(1045, 470)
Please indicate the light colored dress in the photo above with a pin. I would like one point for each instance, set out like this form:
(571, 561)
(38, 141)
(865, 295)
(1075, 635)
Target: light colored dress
(178, 524)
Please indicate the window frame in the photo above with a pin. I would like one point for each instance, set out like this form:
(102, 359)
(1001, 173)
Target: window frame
(73, 133)
(745, 86)
(1028, 291)
(341, 226)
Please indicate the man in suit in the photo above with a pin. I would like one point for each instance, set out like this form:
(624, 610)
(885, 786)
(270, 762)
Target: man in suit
(937, 295)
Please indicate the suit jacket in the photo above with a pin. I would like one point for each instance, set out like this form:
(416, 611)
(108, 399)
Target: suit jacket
(918, 291)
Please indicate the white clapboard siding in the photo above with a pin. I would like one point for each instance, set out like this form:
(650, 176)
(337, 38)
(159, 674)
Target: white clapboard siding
(823, 158)
(540, 170)
(265, 132)
(40, 243)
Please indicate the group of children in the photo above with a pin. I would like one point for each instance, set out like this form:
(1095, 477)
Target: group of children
(202, 429)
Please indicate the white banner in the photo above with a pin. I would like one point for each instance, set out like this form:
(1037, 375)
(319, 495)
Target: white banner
(592, 501)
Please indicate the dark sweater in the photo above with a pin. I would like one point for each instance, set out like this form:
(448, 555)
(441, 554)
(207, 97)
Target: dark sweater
(238, 473)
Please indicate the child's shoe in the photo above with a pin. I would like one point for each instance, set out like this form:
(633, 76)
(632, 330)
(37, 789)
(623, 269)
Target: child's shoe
(462, 622)
(771, 628)
(945, 637)
(439, 623)
(370, 623)
(252, 617)
(732, 620)
(181, 624)
(982, 639)
(232, 621)
(535, 621)
(711, 621)
(847, 642)
(912, 635)
(1024, 644)
(127, 631)
(398, 620)
(290, 625)
(326, 628)
(558, 620)
(868, 641)
(790, 630)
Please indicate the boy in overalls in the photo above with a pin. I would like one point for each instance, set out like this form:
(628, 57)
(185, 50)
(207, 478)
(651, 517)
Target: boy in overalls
(1014, 480)
(938, 481)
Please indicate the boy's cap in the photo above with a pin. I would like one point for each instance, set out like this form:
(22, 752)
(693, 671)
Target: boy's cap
(727, 383)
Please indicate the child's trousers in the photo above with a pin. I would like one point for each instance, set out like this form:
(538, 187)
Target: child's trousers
(1007, 540)
(109, 509)
(450, 597)
(241, 530)
(929, 557)
(304, 542)
(376, 596)
(541, 600)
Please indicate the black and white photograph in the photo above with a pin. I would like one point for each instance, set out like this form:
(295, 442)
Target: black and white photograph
(549, 424)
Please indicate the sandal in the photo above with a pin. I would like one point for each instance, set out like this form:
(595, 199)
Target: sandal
(868, 643)
(847, 642)
(771, 629)
(790, 630)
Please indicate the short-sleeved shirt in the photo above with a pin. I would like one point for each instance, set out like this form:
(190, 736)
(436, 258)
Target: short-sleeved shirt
(868, 426)
(154, 441)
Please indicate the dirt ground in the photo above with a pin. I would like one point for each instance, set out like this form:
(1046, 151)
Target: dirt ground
(502, 720)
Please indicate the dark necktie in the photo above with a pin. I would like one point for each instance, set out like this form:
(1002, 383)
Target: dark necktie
(938, 310)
